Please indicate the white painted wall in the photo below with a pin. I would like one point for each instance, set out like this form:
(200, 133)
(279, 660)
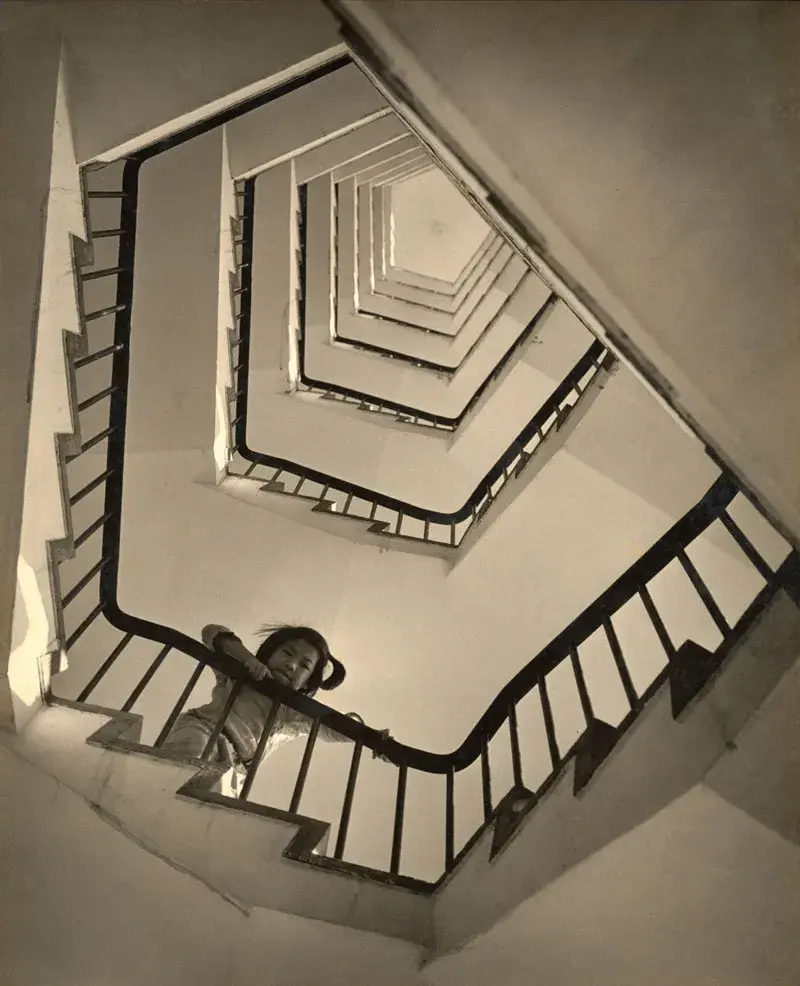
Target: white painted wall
(34, 633)
(700, 893)
(139, 67)
(30, 78)
(651, 149)
(84, 903)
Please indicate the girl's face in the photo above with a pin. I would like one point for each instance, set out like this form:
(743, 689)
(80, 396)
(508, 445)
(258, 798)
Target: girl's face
(293, 663)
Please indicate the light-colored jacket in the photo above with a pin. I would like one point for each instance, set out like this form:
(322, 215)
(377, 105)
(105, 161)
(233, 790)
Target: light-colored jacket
(247, 718)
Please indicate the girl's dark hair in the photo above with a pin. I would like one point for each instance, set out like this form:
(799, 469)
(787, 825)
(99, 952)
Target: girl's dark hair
(275, 635)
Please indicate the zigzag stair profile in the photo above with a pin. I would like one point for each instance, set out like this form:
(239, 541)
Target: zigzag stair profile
(617, 777)
(613, 779)
(248, 853)
(380, 533)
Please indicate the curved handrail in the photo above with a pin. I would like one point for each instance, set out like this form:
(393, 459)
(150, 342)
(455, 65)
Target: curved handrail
(406, 409)
(671, 546)
(720, 494)
(658, 556)
(449, 370)
(595, 352)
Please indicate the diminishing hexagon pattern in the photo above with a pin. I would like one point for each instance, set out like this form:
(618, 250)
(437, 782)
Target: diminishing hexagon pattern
(436, 229)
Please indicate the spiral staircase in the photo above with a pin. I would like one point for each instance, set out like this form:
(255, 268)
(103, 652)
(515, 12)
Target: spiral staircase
(285, 351)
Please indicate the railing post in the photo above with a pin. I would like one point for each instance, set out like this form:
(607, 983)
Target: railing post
(347, 806)
(399, 812)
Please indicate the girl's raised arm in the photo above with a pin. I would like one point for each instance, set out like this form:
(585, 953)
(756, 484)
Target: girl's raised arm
(224, 641)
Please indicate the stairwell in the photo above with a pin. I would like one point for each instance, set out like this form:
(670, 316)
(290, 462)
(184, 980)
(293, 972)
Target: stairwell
(698, 738)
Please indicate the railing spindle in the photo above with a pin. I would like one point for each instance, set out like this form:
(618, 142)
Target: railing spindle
(84, 626)
(549, 725)
(178, 707)
(619, 660)
(100, 354)
(81, 538)
(580, 681)
(703, 591)
(399, 812)
(658, 623)
(89, 487)
(258, 756)
(145, 679)
(102, 312)
(105, 272)
(216, 732)
(746, 545)
(297, 794)
(101, 671)
(90, 444)
(91, 401)
(449, 820)
(486, 779)
(83, 582)
(347, 806)
(516, 756)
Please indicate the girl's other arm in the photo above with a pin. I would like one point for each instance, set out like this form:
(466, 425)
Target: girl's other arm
(331, 735)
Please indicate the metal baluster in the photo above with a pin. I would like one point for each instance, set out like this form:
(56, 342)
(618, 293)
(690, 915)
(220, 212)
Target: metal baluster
(549, 726)
(619, 660)
(399, 811)
(486, 779)
(101, 671)
(580, 681)
(516, 757)
(449, 820)
(704, 593)
(84, 626)
(178, 707)
(216, 732)
(100, 354)
(297, 794)
(82, 583)
(347, 807)
(399, 522)
(90, 444)
(427, 530)
(250, 469)
(90, 401)
(102, 312)
(373, 510)
(347, 503)
(105, 272)
(86, 490)
(746, 545)
(658, 623)
(300, 482)
(258, 756)
(145, 679)
(453, 534)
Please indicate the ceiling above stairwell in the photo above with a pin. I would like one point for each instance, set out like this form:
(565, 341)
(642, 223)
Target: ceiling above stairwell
(435, 230)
